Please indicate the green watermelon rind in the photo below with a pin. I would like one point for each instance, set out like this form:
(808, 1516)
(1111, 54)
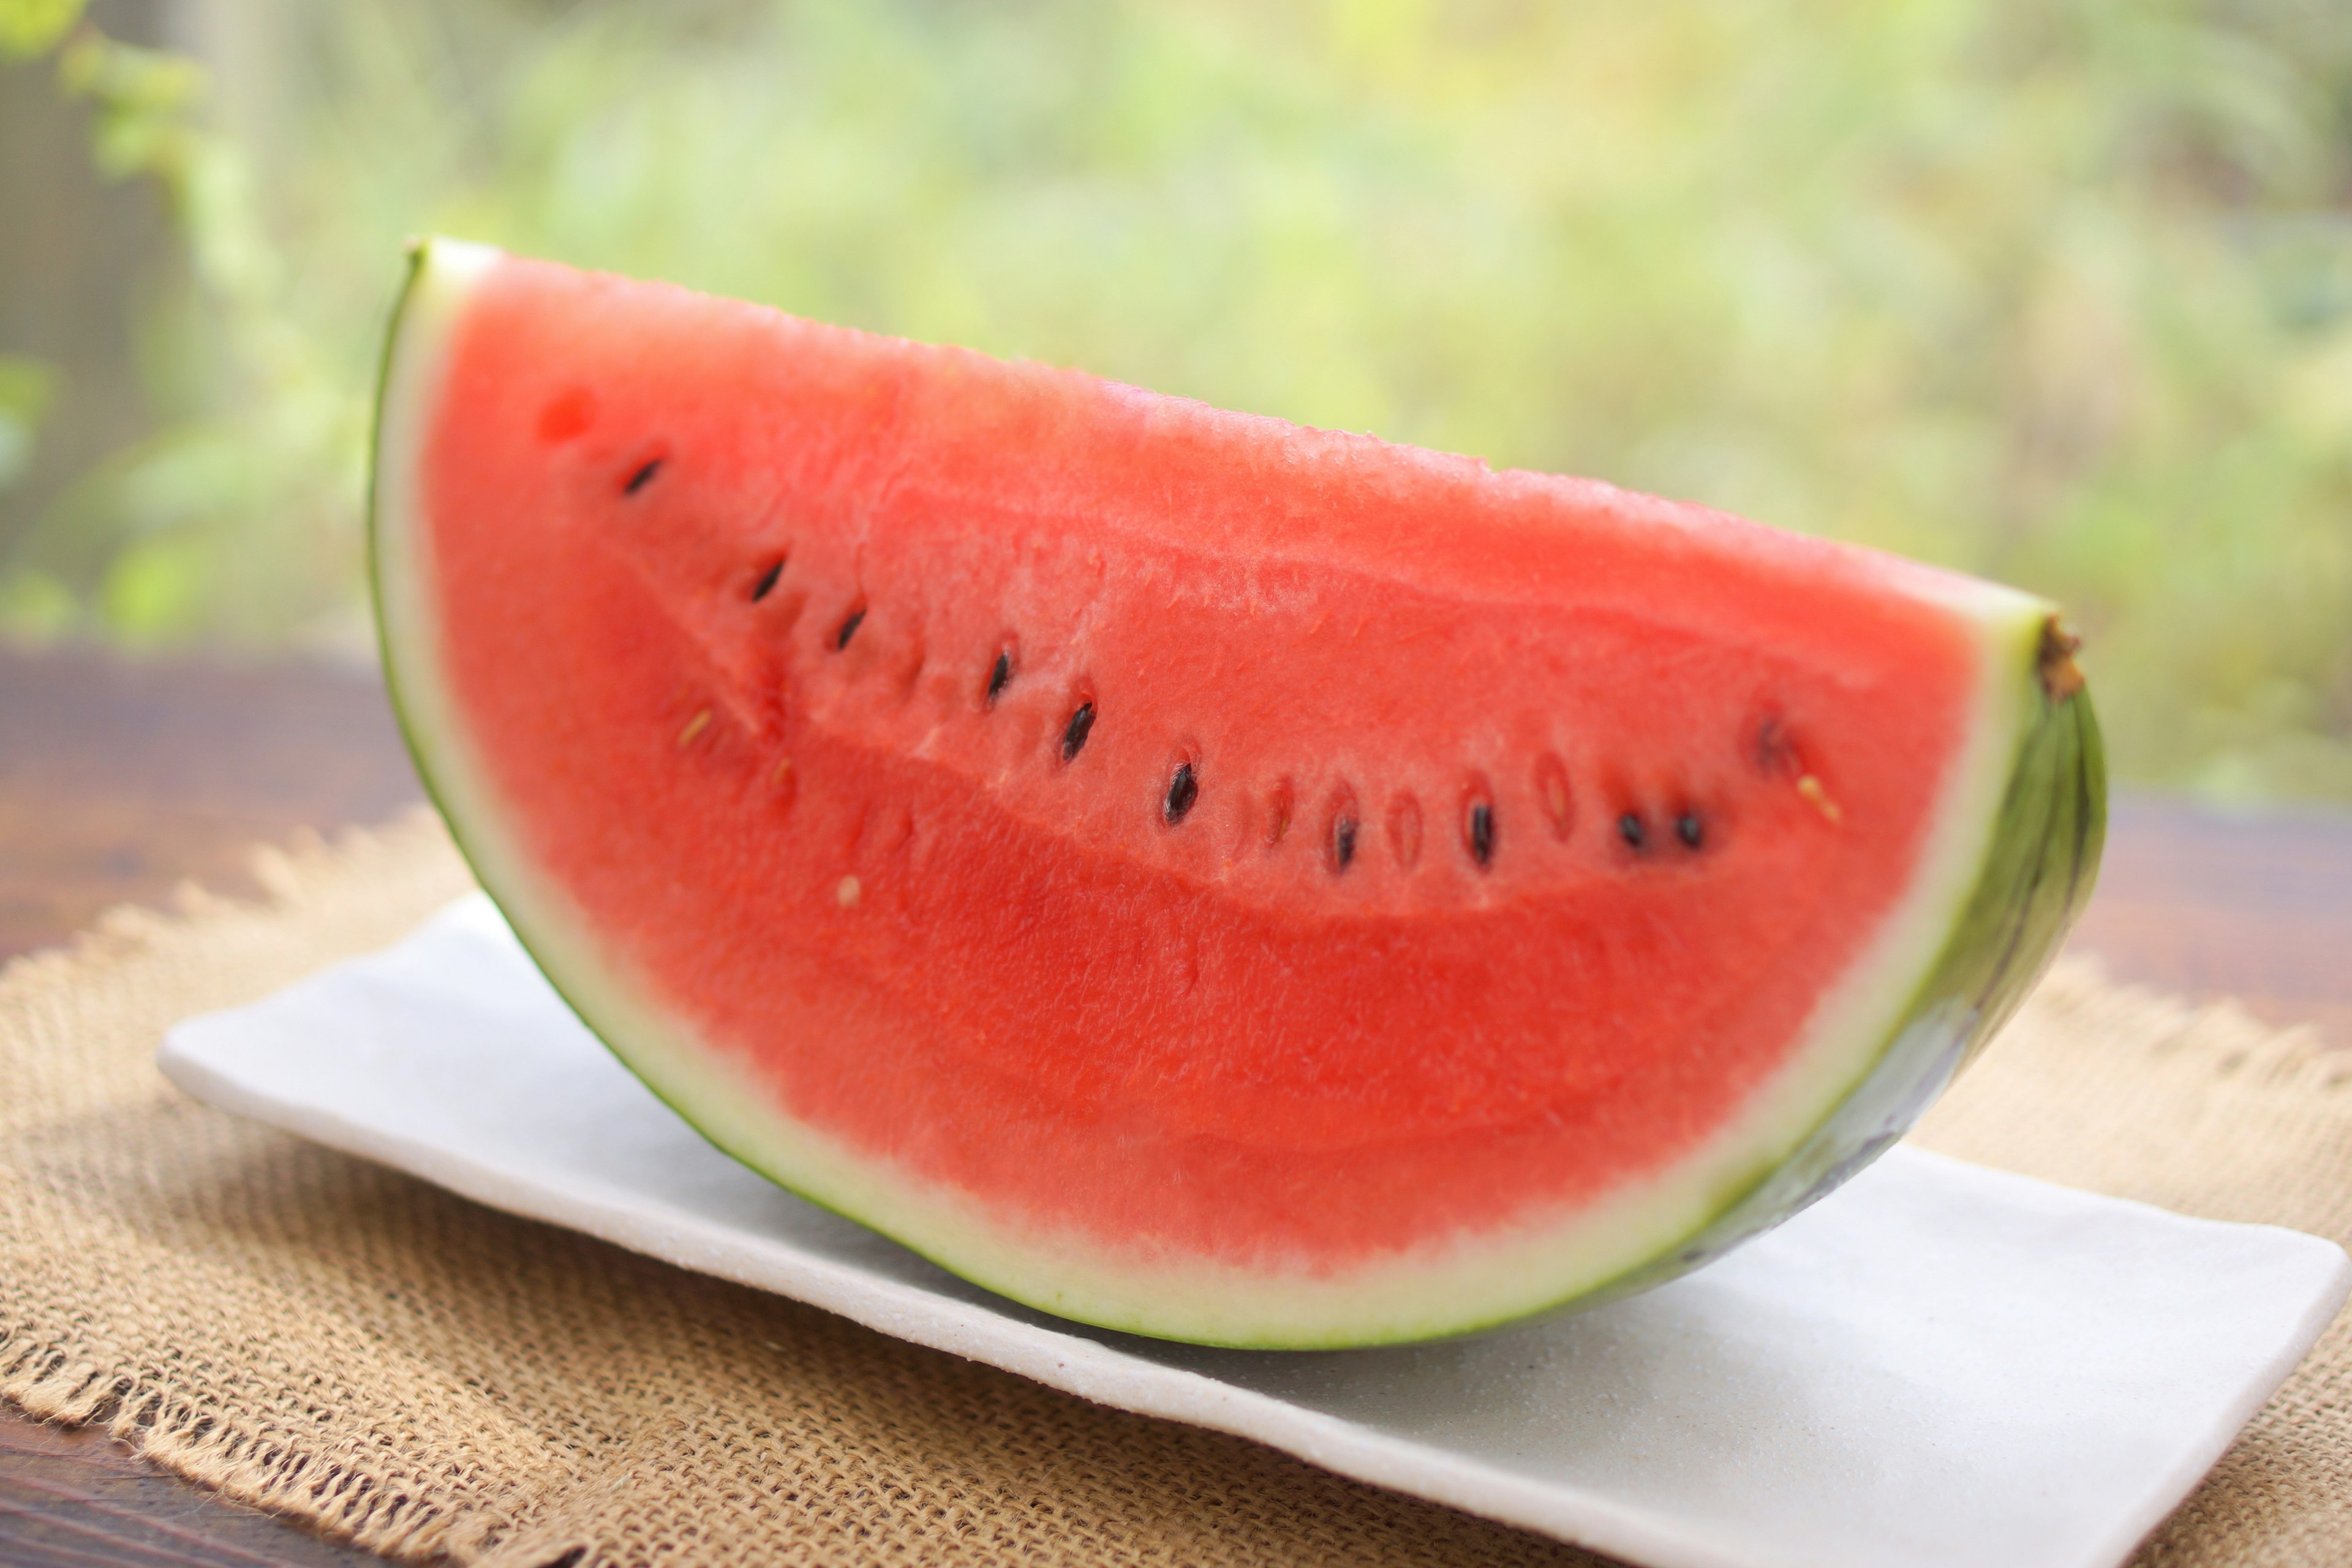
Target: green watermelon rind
(2018, 875)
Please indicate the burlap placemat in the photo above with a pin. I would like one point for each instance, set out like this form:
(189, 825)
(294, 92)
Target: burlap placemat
(317, 1335)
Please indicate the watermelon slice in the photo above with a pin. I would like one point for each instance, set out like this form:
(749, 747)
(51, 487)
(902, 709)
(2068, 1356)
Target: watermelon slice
(1197, 875)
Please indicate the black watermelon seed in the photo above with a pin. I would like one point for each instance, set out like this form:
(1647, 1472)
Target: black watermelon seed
(1000, 677)
(766, 583)
(1687, 829)
(848, 629)
(1630, 829)
(1343, 841)
(1482, 834)
(1074, 738)
(1182, 791)
(642, 477)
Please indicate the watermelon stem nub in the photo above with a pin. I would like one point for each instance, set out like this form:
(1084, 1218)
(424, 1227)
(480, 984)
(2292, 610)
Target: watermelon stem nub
(2054, 661)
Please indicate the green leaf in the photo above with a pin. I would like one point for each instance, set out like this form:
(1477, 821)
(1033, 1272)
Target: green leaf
(143, 103)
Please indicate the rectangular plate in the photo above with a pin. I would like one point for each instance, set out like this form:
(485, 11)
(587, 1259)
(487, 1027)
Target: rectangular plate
(1939, 1366)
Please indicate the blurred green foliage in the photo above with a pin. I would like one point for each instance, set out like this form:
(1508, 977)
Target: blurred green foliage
(25, 389)
(2059, 291)
(29, 27)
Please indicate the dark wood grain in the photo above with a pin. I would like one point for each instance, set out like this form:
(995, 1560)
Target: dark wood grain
(77, 1499)
(2257, 906)
(118, 780)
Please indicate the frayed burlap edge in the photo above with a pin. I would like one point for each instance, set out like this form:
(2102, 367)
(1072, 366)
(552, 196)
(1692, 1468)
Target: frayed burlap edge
(408, 870)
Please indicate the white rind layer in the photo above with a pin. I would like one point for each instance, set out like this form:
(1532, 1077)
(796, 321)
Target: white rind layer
(1469, 1282)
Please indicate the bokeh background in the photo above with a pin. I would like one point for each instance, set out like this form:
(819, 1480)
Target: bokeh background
(2059, 291)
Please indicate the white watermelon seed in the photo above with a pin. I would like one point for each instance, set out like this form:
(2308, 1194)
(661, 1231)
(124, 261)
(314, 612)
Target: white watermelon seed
(847, 892)
(1404, 830)
(1551, 784)
(1278, 812)
(1819, 798)
(694, 726)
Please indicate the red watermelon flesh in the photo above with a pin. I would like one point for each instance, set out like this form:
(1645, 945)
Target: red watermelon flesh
(1192, 873)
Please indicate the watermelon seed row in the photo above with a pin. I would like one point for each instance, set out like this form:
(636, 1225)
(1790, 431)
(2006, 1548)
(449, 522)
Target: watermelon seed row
(1404, 819)
(1183, 791)
(1636, 833)
(1479, 830)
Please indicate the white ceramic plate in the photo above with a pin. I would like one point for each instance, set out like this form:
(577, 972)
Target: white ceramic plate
(1940, 1365)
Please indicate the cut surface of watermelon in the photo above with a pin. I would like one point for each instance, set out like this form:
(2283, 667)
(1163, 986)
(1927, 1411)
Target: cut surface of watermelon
(1187, 872)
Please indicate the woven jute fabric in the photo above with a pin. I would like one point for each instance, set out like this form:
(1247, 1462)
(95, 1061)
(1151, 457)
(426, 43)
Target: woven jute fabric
(321, 1336)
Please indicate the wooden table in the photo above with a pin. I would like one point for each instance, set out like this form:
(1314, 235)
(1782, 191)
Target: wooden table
(117, 781)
